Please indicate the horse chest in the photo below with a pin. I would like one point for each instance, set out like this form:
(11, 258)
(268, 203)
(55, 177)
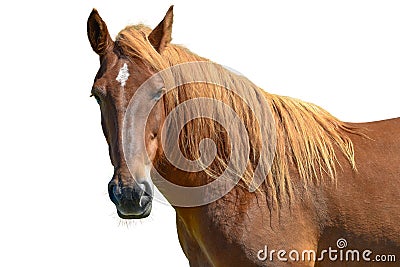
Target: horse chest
(213, 236)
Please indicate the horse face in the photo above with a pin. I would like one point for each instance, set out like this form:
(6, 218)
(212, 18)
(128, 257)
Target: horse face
(116, 82)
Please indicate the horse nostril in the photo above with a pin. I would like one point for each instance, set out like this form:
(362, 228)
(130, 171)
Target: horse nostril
(135, 193)
(147, 189)
(115, 193)
(146, 194)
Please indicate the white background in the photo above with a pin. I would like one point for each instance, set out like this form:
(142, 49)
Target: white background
(55, 211)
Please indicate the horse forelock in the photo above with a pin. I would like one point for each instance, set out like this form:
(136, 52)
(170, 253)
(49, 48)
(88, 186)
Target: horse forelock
(307, 136)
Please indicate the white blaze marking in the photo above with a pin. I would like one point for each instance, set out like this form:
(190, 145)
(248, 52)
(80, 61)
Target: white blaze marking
(123, 75)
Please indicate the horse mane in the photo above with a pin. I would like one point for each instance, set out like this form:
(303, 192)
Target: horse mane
(308, 138)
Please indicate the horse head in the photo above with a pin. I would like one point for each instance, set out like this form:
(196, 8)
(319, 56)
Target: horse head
(116, 82)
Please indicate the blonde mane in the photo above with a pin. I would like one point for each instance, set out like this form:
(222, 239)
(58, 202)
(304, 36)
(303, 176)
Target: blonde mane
(308, 138)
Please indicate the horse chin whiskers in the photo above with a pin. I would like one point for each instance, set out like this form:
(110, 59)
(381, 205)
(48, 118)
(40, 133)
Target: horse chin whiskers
(130, 222)
(126, 223)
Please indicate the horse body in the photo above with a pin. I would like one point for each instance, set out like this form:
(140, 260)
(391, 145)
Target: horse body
(305, 203)
(362, 207)
(366, 202)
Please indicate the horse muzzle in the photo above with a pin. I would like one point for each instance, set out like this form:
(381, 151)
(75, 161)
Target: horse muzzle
(132, 201)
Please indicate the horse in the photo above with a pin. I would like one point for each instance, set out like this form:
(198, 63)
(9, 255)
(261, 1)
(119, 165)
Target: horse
(329, 190)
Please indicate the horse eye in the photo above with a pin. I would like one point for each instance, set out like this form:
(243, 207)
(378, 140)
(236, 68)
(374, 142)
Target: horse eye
(153, 136)
(97, 99)
(158, 95)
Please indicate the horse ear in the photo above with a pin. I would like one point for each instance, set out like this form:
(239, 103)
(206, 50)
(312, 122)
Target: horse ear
(160, 37)
(97, 32)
